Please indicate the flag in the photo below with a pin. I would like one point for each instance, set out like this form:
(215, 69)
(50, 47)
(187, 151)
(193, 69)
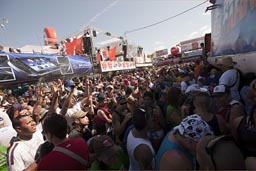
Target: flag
(98, 57)
(112, 53)
(74, 45)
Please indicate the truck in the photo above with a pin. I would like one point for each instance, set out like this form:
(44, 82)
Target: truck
(233, 31)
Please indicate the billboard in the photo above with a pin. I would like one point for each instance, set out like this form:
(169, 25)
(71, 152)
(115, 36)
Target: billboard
(107, 66)
(192, 44)
(233, 27)
(23, 68)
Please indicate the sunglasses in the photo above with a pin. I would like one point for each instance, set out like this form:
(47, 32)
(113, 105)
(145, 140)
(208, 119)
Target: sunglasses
(123, 103)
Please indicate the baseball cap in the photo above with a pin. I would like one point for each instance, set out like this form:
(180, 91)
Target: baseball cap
(194, 127)
(110, 86)
(227, 62)
(103, 146)
(101, 97)
(69, 83)
(79, 114)
(195, 87)
(220, 90)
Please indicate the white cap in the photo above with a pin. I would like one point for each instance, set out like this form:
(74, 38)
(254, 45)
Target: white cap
(110, 86)
(196, 87)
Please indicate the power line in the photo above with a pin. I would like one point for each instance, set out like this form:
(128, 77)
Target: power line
(159, 22)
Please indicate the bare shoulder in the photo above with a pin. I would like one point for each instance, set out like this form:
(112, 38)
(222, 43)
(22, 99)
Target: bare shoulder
(176, 160)
(144, 156)
(142, 151)
(235, 123)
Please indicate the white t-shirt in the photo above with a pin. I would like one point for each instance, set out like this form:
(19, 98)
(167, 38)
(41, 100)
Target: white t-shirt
(7, 120)
(183, 86)
(70, 112)
(22, 153)
(228, 78)
(6, 134)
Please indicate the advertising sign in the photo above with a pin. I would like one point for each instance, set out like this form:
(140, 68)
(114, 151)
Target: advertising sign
(22, 68)
(233, 31)
(192, 44)
(161, 52)
(107, 66)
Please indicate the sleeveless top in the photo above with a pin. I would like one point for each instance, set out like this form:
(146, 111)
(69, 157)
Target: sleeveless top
(225, 111)
(215, 125)
(168, 145)
(132, 143)
(247, 137)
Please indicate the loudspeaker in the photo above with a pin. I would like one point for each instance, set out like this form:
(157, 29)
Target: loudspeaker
(87, 45)
(94, 33)
(125, 50)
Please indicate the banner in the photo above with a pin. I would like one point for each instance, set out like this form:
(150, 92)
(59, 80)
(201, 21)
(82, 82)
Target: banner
(233, 27)
(107, 66)
(191, 44)
(74, 46)
(22, 68)
(112, 53)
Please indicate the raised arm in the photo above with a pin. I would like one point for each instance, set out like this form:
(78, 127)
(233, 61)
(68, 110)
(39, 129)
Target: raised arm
(67, 102)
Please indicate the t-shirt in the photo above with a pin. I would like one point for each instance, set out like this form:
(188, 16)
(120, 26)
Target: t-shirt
(231, 78)
(6, 134)
(22, 152)
(120, 163)
(56, 160)
(3, 151)
(171, 109)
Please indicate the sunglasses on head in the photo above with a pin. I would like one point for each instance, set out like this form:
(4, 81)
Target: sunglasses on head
(82, 117)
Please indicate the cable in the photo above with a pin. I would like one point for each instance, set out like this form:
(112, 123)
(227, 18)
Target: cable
(159, 22)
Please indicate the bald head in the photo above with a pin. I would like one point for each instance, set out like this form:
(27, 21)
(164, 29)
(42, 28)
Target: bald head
(202, 100)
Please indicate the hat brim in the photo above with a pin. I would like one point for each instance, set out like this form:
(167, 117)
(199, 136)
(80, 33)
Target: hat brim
(227, 65)
(82, 115)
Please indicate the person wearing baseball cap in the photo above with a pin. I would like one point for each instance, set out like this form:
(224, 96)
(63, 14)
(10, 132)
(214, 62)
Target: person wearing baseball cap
(177, 151)
(80, 125)
(108, 155)
(227, 107)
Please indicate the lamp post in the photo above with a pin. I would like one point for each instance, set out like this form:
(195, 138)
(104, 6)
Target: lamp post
(3, 23)
(2, 26)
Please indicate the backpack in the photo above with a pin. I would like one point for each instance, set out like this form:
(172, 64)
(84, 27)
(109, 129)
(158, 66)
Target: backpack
(240, 76)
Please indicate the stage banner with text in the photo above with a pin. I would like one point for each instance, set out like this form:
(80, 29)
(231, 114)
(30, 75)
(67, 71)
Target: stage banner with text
(107, 66)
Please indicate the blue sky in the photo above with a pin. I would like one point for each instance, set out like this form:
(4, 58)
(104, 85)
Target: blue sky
(28, 18)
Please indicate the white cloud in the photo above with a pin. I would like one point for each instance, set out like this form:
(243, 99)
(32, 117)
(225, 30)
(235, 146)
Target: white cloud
(158, 43)
(204, 28)
(160, 47)
(192, 35)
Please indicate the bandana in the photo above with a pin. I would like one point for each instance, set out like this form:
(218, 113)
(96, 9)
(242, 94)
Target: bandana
(194, 127)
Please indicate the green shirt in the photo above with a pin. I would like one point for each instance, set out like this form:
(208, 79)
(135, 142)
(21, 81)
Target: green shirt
(3, 165)
(169, 111)
(121, 163)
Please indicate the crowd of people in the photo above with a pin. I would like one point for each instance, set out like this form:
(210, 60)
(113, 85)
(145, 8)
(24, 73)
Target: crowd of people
(186, 116)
